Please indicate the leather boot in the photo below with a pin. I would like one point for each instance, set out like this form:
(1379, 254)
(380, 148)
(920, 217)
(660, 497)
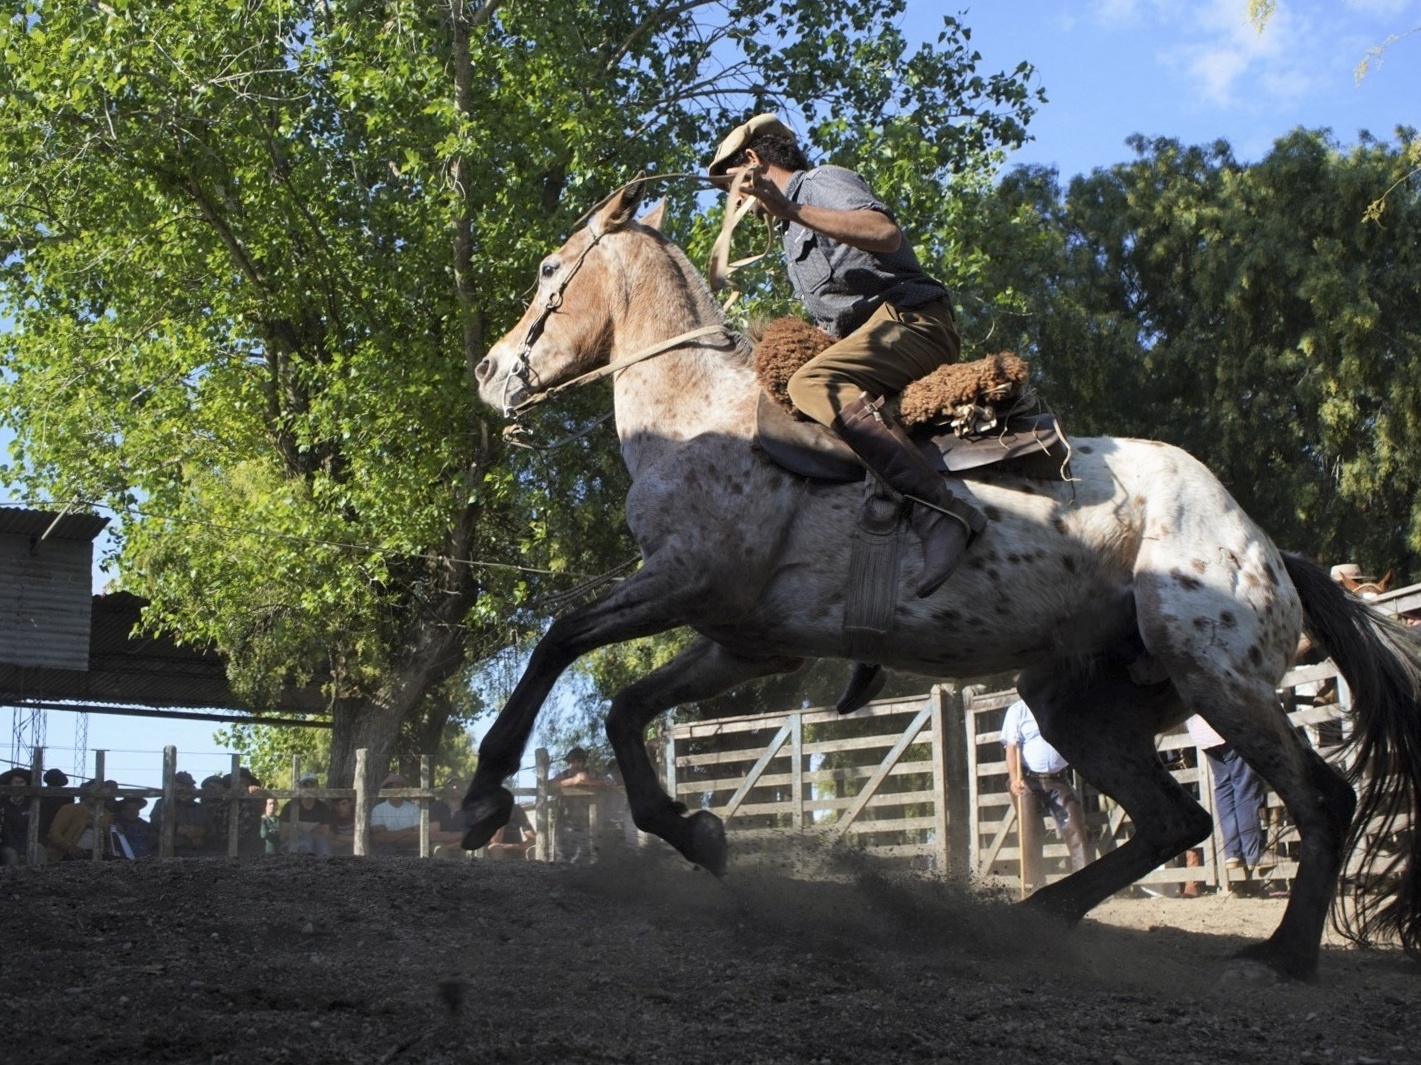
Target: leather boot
(1073, 832)
(944, 523)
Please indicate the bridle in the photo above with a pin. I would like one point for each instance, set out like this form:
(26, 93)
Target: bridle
(522, 371)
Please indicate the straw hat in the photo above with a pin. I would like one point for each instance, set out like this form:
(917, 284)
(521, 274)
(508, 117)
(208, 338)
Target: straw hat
(742, 135)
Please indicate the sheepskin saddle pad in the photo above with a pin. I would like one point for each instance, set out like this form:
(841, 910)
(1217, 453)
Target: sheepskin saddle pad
(962, 414)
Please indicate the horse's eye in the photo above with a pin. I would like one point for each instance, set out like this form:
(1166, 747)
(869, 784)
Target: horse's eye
(549, 268)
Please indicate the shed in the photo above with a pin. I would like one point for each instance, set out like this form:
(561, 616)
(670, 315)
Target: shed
(45, 584)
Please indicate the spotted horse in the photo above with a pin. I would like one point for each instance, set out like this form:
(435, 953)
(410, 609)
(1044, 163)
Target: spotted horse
(1141, 556)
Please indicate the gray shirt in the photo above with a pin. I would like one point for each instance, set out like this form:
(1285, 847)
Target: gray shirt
(841, 285)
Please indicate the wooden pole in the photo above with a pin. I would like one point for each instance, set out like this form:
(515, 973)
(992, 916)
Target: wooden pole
(234, 811)
(541, 821)
(423, 806)
(362, 807)
(97, 821)
(1019, 801)
(32, 840)
(168, 827)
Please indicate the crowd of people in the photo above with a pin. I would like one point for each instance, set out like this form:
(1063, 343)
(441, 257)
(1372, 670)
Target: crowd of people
(71, 828)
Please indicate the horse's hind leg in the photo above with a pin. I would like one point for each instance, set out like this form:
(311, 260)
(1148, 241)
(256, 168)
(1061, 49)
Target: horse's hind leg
(703, 669)
(1105, 727)
(1321, 803)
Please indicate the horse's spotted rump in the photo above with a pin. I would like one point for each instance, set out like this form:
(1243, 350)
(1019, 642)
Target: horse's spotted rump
(1198, 564)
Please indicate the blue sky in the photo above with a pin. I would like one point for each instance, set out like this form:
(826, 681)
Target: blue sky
(1194, 71)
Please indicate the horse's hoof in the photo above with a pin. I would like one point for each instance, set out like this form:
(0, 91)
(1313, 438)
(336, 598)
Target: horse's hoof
(1247, 973)
(485, 813)
(707, 845)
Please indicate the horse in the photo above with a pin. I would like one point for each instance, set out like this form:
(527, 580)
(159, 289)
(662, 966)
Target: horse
(1140, 592)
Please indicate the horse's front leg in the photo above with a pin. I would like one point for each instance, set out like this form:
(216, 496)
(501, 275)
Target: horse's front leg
(702, 670)
(651, 601)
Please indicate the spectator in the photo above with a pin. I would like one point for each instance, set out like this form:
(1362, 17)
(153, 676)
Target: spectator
(446, 821)
(130, 836)
(394, 823)
(1039, 782)
(1239, 801)
(270, 828)
(211, 797)
(573, 838)
(14, 818)
(249, 814)
(343, 826)
(514, 841)
(190, 831)
(71, 836)
(306, 822)
(50, 805)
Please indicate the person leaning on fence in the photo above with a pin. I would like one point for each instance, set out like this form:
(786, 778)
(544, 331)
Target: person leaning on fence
(394, 823)
(71, 837)
(190, 829)
(249, 814)
(1240, 800)
(305, 823)
(14, 818)
(130, 836)
(50, 805)
(1040, 782)
(573, 841)
(514, 841)
(447, 823)
(343, 826)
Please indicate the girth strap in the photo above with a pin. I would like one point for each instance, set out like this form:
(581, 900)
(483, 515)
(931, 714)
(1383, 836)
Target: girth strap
(871, 588)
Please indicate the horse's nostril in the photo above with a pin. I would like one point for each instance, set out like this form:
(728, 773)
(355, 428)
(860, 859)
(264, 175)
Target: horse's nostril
(482, 369)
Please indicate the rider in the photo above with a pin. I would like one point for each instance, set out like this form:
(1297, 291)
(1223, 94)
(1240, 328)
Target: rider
(862, 283)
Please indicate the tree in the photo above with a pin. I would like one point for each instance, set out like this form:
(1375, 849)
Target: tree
(254, 254)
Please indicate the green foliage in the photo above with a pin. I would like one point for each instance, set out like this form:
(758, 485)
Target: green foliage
(253, 252)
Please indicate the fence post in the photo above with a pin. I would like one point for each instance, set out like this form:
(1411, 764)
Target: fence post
(168, 827)
(362, 807)
(32, 840)
(956, 832)
(541, 821)
(234, 811)
(423, 806)
(97, 821)
(796, 744)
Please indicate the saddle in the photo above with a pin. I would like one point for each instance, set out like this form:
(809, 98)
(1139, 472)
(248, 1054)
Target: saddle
(1030, 445)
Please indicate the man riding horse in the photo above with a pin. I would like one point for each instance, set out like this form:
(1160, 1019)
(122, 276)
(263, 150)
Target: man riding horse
(862, 283)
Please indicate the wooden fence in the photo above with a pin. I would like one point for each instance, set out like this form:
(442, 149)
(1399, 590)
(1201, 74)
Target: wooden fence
(925, 781)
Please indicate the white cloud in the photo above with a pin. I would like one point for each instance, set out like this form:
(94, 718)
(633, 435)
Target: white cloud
(1228, 62)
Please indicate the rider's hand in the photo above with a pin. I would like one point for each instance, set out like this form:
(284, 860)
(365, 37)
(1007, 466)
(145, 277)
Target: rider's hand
(774, 202)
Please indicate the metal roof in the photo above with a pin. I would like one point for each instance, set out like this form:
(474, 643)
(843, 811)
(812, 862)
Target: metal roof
(22, 521)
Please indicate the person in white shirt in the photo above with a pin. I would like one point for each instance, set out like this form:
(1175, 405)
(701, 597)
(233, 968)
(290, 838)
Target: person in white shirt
(394, 822)
(1039, 779)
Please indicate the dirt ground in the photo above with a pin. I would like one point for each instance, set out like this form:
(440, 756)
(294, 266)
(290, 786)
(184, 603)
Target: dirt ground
(643, 959)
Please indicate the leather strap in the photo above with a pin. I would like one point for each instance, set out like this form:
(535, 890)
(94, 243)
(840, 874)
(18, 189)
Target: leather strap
(871, 588)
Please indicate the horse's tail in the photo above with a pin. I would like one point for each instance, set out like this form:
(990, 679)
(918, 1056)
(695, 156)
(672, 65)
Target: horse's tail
(1381, 661)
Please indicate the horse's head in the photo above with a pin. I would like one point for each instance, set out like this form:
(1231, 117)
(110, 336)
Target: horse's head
(567, 329)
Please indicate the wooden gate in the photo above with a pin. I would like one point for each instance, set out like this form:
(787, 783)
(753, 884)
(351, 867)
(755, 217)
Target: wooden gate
(881, 780)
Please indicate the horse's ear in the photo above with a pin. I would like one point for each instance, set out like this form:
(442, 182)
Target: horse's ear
(1385, 582)
(622, 207)
(652, 219)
